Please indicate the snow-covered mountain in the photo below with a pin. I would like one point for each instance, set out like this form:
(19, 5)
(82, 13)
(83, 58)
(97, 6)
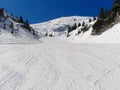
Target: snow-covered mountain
(59, 26)
(12, 31)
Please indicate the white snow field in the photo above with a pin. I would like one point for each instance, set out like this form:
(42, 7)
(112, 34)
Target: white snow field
(55, 64)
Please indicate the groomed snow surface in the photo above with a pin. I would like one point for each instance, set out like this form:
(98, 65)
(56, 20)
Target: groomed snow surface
(55, 64)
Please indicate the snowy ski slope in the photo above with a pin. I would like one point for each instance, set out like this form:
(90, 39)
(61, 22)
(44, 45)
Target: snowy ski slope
(56, 64)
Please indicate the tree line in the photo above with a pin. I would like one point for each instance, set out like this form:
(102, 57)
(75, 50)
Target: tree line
(24, 23)
(106, 17)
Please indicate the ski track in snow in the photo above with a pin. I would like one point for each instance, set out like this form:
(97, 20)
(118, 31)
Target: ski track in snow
(55, 64)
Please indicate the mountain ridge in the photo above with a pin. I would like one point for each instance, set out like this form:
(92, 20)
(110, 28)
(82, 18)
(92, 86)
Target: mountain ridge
(111, 35)
(15, 30)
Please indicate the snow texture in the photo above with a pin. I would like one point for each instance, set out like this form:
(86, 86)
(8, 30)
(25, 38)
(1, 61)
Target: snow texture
(56, 64)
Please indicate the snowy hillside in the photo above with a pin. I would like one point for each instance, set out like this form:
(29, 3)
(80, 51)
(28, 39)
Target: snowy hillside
(21, 36)
(111, 35)
(60, 25)
(12, 31)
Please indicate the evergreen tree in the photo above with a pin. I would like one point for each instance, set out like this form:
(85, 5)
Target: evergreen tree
(4, 26)
(27, 25)
(12, 25)
(90, 20)
(106, 18)
(79, 31)
(107, 13)
(69, 29)
(100, 23)
(46, 34)
(21, 19)
(97, 26)
(116, 6)
(12, 31)
(102, 14)
(119, 11)
(33, 32)
(83, 24)
(74, 27)
(1, 12)
(79, 24)
(94, 18)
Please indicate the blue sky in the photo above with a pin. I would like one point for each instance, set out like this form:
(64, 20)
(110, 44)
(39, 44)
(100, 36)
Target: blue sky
(43, 10)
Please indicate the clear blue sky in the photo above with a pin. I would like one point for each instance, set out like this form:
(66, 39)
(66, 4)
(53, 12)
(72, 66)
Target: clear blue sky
(43, 10)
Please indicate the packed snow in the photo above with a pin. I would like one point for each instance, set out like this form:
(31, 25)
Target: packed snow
(55, 64)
